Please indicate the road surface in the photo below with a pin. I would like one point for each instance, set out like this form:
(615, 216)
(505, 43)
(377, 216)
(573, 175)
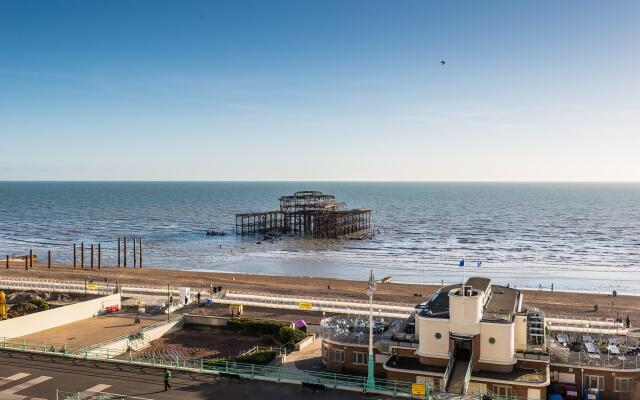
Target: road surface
(25, 376)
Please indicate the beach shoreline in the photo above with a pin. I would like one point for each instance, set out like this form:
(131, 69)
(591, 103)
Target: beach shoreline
(568, 303)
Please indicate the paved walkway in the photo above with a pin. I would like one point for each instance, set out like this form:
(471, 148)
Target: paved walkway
(309, 354)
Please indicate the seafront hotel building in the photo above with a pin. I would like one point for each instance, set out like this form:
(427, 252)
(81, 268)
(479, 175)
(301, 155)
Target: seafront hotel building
(481, 339)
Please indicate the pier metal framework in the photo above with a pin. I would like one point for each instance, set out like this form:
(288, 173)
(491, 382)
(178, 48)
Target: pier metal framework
(307, 213)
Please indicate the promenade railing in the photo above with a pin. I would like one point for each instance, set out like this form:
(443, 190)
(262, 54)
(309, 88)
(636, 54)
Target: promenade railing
(217, 366)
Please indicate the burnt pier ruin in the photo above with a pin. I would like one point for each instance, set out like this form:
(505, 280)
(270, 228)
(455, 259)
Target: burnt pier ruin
(309, 213)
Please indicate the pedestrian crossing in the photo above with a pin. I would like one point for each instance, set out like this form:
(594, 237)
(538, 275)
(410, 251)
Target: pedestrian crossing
(13, 387)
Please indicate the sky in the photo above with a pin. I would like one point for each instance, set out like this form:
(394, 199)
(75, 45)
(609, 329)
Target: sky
(320, 90)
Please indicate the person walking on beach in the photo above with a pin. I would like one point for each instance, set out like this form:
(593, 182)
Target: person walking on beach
(198, 296)
(167, 376)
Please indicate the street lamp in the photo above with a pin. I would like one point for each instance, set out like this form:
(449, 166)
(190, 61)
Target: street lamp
(371, 289)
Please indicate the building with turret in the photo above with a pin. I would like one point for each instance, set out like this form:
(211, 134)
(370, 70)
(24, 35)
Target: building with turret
(479, 338)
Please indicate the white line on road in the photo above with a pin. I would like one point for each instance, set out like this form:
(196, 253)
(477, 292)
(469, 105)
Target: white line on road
(13, 378)
(127, 396)
(26, 385)
(97, 388)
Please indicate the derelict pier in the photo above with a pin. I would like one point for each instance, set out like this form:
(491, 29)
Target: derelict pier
(307, 213)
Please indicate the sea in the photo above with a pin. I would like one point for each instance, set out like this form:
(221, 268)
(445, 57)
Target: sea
(576, 236)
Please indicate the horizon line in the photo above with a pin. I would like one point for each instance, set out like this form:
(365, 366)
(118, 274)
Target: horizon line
(314, 181)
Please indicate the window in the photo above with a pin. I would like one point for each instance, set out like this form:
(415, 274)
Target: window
(594, 382)
(359, 358)
(338, 355)
(624, 385)
(504, 391)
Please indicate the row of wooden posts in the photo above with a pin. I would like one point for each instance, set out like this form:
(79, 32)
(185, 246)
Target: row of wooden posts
(122, 251)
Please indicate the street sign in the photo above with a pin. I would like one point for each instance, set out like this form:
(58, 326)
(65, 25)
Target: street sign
(418, 389)
(305, 306)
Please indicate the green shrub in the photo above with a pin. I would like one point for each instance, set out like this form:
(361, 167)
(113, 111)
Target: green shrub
(255, 327)
(38, 302)
(260, 357)
(288, 334)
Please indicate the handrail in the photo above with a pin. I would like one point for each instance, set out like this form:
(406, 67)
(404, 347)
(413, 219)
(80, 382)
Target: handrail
(447, 372)
(467, 376)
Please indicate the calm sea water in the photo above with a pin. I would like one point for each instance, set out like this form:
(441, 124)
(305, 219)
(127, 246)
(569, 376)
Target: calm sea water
(577, 236)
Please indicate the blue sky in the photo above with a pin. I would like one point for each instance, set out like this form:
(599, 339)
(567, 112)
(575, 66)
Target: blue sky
(331, 90)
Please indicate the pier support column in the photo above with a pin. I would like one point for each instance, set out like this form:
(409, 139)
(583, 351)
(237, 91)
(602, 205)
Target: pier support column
(74, 256)
(118, 252)
(26, 263)
(135, 257)
(140, 250)
(91, 255)
(124, 253)
(49, 259)
(82, 255)
(7, 261)
(31, 258)
(99, 256)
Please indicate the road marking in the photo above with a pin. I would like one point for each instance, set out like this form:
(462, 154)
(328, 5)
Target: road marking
(26, 385)
(97, 388)
(13, 378)
(127, 396)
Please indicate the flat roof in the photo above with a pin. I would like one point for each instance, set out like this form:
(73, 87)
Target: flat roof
(502, 300)
(412, 364)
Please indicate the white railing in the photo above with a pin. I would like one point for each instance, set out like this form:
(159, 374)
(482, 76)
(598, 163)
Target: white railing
(467, 376)
(313, 304)
(447, 372)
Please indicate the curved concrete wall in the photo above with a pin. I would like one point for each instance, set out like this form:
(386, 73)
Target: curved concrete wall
(502, 351)
(32, 323)
(429, 345)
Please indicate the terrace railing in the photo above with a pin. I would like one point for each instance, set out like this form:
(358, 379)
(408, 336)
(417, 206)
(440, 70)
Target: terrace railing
(223, 367)
(582, 358)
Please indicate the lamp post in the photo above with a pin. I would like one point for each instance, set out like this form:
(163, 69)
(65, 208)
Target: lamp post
(371, 289)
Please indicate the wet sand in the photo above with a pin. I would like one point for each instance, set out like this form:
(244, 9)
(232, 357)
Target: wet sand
(561, 303)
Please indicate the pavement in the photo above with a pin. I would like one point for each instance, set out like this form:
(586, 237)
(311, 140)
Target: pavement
(25, 376)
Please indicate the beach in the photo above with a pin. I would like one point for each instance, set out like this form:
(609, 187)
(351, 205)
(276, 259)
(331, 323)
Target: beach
(574, 304)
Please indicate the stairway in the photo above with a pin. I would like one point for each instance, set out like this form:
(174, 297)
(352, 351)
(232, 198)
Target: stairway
(456, 380)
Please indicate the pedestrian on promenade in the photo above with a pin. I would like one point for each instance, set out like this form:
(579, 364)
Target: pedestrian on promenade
(198, 296)
(167, 376)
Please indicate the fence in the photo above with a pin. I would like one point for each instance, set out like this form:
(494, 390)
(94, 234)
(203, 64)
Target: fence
(64, 395)
(216, 366)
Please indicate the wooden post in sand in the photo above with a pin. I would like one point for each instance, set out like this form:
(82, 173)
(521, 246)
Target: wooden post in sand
(140, 250)
(135, 256)
(31, 258)
(118, 251)
(74, 256)
(7, 261)
(26, 263)
(49, 259)
(91, 255)
(124, 253)
(99, 256)
(82, 255)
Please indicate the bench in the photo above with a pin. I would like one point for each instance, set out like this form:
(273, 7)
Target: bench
(317, 387)
(230, 376)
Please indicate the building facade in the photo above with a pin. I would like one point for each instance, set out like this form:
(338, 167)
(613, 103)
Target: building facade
(478, 338)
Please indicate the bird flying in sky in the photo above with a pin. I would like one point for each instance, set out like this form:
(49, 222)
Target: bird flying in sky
(443, 62)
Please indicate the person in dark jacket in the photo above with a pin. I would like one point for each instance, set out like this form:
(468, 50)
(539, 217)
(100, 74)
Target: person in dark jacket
(167, 377)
